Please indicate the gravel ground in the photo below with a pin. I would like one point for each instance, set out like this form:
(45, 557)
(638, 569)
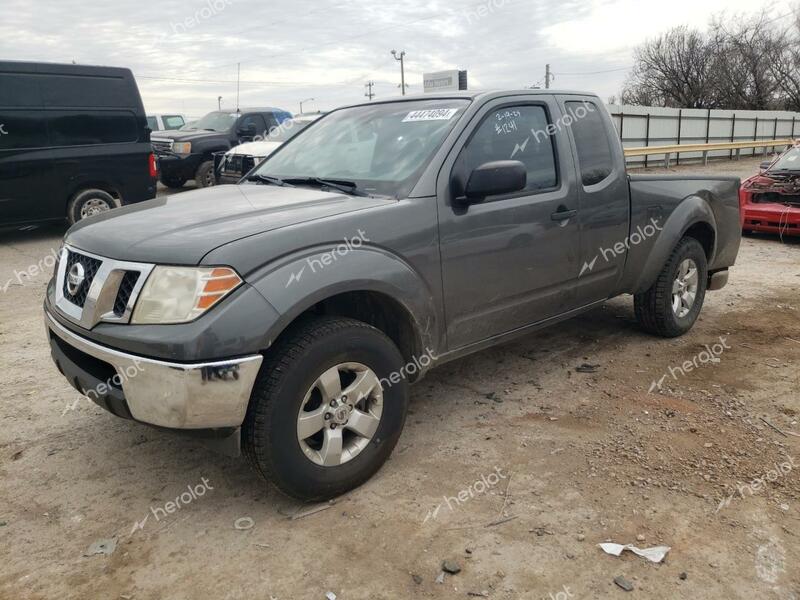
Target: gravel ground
(513, 466)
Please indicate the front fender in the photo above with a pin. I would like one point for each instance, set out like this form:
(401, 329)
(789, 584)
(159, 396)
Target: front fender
(297, 282)
(648, 262)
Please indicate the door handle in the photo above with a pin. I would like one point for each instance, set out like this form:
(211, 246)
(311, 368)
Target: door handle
(563, 214)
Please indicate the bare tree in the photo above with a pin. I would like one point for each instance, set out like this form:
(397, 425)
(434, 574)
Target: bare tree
(786, 66)
(745, 51)
(740, 63)
(675, 69)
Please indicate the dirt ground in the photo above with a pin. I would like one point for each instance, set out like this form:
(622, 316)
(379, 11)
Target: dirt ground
(513, 465)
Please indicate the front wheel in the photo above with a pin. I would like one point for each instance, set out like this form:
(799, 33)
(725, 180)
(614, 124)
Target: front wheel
(671, 306)
(327, 408)
(204, 177)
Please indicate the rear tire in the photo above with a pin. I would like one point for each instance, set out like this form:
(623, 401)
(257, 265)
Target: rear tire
(89, 203)
(204, 177)
(288, 390)
(671, 306)
(175, 183)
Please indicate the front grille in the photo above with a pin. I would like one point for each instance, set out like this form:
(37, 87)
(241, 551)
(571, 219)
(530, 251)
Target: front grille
(125, 290)
(90, 267)
(233, 164)
(161, 145)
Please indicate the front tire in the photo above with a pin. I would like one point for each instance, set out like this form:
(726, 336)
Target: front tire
(323, 416)
(204, 177)
(671, 306)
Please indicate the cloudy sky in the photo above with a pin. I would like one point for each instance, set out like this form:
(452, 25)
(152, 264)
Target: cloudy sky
(185, 53)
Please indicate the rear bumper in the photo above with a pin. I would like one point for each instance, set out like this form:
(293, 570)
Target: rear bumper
(174, 166)
(172, 395)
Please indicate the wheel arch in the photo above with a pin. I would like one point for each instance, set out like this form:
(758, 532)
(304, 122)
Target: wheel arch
(371, 286)
(694, 218)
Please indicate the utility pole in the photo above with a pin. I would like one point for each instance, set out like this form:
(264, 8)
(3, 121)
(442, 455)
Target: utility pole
(219, 102)
(548, 76)
(369, 93)
(238, 79)
(400, 57)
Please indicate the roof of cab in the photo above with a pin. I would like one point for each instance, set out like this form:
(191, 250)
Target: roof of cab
(15, 66)
(478, 95)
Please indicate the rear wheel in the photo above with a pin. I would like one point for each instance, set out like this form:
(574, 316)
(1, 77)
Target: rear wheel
(671, 306)
(205, 175)
(319, 422)
(89, 203)
(174, 183)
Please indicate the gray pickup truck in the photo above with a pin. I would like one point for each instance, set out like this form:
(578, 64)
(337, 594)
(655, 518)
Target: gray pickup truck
(285, 317)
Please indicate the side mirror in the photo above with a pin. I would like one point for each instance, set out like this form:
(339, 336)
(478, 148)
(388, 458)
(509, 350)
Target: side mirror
(493, 179)
(765, 165)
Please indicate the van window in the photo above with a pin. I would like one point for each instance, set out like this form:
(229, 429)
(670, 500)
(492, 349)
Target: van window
(22, 129)
(75, 128)
(591, 140)
(86, 91)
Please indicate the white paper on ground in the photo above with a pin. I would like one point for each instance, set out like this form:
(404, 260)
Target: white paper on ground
(655, 554)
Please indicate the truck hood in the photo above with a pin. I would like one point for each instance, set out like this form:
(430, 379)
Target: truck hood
(257, 149)
(188, 135)
(181, 229)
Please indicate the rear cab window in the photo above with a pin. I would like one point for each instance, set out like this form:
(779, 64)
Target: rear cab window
(595, 159)
(173, 121)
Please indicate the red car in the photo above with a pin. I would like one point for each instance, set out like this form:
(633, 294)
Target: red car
(770, 201)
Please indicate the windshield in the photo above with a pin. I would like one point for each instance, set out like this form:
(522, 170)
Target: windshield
(790, 161)
(382, 148)
(216, 121)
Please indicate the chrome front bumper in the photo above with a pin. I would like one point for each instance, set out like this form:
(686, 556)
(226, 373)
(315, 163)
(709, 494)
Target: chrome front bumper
(173, 395)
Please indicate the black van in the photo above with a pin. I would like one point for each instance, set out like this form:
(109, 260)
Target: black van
(73, 142)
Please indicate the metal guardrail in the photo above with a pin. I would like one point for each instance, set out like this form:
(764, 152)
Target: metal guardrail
(678, 149)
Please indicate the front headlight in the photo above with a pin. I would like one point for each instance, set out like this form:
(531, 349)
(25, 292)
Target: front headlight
(182, 147)
(181, 294)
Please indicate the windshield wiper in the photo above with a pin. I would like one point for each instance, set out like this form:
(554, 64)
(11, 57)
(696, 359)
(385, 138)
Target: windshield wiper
(269, 180)
(342, 185)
